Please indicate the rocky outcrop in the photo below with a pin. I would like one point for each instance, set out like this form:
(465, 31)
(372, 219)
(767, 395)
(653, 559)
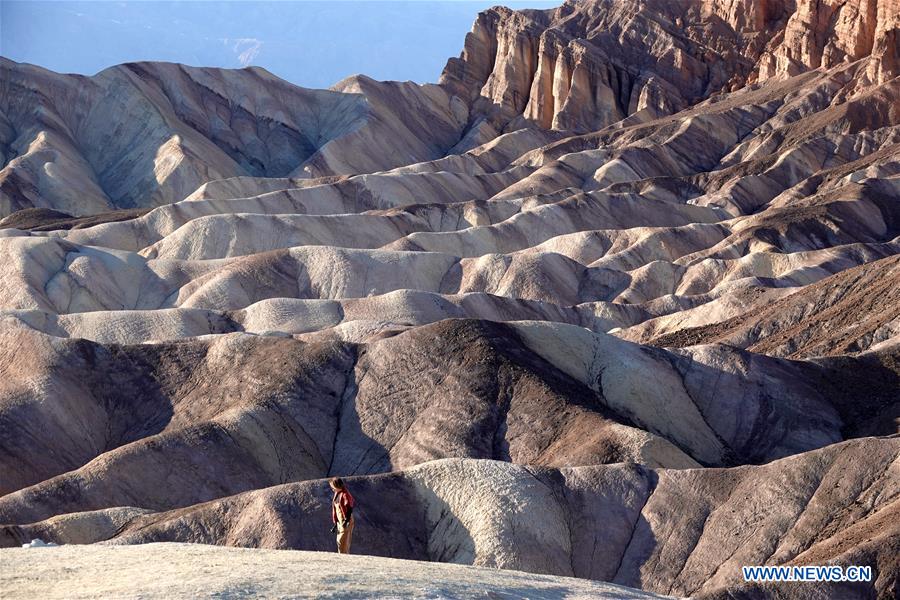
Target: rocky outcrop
(588, 64)
(578, 68)
(827, 34)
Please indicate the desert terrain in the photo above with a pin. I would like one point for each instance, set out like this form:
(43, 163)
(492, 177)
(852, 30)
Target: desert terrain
(617, 298)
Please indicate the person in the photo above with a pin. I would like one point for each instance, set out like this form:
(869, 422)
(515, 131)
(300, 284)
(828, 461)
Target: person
(342, 514)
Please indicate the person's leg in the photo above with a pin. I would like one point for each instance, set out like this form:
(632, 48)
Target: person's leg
(349, 535)
(343, 539)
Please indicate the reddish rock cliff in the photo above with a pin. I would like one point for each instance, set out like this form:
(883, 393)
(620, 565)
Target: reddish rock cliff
(586, 65)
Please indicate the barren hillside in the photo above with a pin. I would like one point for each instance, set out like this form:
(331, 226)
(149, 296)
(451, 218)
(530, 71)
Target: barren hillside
(616, 298)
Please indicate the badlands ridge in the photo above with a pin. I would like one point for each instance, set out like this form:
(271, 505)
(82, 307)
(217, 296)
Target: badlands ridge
(618, 298)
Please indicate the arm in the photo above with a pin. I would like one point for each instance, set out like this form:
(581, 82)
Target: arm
(346, 507)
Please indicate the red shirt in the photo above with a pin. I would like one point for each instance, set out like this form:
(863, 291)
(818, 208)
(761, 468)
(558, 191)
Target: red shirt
(342, 501)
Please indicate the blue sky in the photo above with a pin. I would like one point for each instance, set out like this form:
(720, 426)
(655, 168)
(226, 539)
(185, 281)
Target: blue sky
(313, 44)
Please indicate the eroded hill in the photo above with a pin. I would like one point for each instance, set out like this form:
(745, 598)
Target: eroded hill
(629, 266)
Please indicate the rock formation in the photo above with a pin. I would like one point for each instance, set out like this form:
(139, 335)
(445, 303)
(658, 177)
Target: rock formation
(631, 266)
(618, 523)
(145, 134)
(590, 64)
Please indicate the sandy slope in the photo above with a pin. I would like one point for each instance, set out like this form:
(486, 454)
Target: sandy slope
(186, 570)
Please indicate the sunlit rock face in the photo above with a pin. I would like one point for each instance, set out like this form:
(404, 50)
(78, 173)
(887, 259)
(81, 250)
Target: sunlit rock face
(147, 134)
(586, 65)
(632, 264)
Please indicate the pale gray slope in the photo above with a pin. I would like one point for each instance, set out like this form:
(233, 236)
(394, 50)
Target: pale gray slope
(146, 134)
(300, 316)
(709, 210)
(181, 570)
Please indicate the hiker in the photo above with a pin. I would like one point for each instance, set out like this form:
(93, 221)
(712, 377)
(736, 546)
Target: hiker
(341, 514)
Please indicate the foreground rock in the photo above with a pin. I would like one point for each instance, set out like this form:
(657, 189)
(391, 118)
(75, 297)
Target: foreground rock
(184, 570)
(682, 532)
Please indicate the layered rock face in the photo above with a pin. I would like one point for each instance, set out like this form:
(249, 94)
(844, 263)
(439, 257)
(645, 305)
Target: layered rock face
(589, 64)
(617, 298)
(239, 411)
(142, 135)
